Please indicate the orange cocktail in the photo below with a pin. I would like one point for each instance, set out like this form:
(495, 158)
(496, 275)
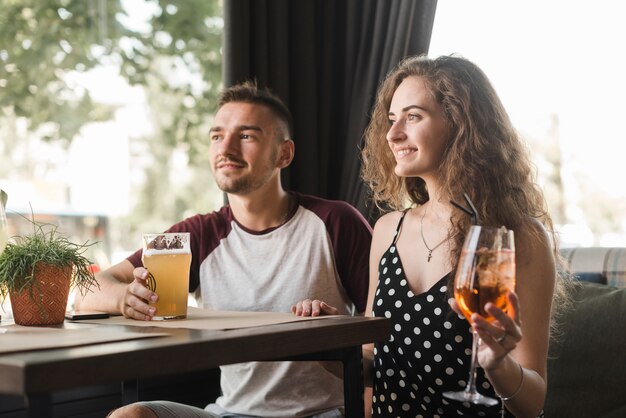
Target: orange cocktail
(492, 275)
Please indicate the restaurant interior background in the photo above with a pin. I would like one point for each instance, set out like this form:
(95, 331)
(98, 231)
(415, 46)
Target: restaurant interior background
(105, 107)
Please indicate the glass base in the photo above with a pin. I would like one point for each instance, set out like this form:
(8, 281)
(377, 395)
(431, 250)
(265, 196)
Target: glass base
(475, 398)
(168, 318)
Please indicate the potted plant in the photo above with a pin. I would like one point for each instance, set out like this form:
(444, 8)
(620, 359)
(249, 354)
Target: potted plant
(37, 272)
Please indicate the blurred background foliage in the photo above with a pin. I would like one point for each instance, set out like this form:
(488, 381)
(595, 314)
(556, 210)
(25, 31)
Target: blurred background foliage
(174, 56)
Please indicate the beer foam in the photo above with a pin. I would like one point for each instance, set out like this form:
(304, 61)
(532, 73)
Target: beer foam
(152, 251)
(167, 243)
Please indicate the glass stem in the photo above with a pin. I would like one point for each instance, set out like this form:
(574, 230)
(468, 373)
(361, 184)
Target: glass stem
(470, 388)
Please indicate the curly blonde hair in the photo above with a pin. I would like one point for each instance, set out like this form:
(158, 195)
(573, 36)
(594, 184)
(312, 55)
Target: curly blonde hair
(484, 156)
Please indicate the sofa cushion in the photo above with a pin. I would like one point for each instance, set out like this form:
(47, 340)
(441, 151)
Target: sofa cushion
(590, 277)
(610, 262)
(587, 363)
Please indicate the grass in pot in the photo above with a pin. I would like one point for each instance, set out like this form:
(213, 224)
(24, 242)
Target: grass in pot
(37, 272)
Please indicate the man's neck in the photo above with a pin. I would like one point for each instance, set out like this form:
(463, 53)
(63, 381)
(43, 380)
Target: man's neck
(261, 209)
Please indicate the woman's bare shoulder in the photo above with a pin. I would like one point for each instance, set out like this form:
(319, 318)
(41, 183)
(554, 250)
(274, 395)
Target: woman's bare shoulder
(533, 236)
(384, 230)
(388, 222)
(535, 252)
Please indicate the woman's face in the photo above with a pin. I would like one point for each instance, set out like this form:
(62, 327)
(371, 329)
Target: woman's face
(418, 133)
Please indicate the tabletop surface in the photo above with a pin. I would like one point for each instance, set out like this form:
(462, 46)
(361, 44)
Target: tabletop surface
(181, 350)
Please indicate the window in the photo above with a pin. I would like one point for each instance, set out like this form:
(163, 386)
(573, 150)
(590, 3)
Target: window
(104, 114)
(558, 67)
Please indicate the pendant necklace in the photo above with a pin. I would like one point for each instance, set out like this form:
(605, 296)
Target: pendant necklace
(430, 250)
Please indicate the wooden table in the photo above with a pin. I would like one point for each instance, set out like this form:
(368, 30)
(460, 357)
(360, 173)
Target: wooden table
(36, 374)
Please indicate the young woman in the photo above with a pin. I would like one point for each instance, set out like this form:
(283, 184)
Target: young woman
(438, 131)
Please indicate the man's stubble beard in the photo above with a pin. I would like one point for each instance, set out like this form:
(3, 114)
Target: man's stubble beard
(248, 182)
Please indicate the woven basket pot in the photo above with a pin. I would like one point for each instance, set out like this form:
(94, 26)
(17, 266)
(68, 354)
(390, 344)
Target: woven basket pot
(43, 302)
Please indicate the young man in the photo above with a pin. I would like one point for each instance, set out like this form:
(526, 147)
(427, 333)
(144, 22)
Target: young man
(264, 251)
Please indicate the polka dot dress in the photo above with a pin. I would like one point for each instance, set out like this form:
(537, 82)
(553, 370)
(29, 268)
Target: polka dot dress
(428, 353)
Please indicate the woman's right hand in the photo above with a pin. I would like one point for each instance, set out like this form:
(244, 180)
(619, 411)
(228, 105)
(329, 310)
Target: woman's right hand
(314, 307)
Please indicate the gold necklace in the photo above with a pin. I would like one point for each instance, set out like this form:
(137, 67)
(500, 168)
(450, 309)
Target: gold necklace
(430, 250)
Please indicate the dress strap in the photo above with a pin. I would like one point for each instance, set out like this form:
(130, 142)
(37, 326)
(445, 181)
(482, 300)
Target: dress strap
(397, 234)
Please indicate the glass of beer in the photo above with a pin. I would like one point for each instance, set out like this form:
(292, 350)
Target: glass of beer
(485, 273)
(167, 257)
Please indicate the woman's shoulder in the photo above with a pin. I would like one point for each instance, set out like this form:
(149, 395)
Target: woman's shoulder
(535, 251)
(385, 230)
(388, 222)
(533, 236)
(384, 233)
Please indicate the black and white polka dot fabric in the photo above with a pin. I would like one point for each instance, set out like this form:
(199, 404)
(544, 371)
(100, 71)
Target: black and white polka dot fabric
(428, 353)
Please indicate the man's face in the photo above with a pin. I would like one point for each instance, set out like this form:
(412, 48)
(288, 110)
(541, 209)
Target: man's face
(244, 147)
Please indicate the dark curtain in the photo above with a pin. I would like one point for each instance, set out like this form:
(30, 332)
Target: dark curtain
(325, 59)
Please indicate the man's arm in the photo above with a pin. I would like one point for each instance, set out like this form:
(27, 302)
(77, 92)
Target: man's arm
(352, 237)
(122, 291)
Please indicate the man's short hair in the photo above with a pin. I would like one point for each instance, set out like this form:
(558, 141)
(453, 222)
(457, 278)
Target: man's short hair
(249, 92)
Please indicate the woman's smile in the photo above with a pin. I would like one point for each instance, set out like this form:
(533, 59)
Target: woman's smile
(404, 152)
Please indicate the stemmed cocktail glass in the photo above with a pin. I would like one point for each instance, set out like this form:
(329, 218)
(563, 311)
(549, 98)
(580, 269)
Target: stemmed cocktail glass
(486, 273)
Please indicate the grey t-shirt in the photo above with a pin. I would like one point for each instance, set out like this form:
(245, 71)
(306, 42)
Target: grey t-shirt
(320, 252)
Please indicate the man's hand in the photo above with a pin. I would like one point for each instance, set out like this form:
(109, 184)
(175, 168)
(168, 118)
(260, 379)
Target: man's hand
(137, 297)
(315, 307)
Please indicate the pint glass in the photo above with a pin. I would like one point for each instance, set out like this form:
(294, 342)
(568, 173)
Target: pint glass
(167, 258)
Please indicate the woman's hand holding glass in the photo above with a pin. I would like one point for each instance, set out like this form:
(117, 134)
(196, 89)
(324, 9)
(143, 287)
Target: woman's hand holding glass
(499, 337)
(483, 290)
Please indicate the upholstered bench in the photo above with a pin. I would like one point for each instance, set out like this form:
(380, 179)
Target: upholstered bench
(587, 362)
(598, 264)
